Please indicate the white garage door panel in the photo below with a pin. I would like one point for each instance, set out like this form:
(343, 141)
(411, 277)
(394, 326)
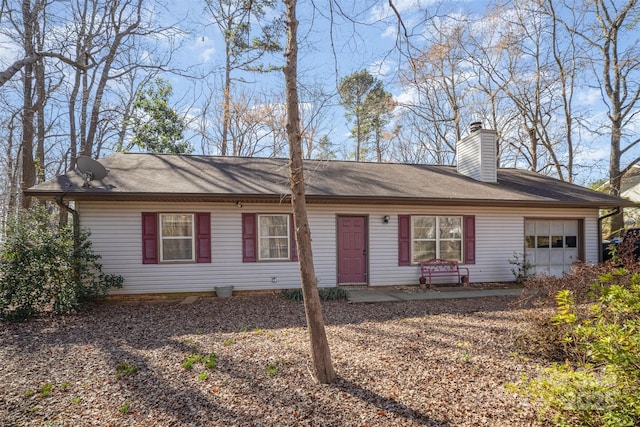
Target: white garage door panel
(552, 245)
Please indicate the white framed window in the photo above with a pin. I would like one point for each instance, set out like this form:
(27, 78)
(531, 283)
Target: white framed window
(436, 237)
(273, 237)
(176, 237)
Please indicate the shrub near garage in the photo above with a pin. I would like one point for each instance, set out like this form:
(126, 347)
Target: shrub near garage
(601, 386)
(43, 269)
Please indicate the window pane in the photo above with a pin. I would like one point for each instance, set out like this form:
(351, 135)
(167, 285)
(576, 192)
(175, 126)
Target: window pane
(177, 250)
(423, 250)
(556, 241)
(274, 248)
(450, 227)
(176, 225)
(424, 227)
(177, 237)
(571, 241)
(530, 241)
(273, 236)
(274, 225)
(543, 241)
(451, 250)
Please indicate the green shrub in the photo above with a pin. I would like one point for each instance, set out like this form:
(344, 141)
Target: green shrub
(601, 385)
(292, 294)
(41, 269)
(326, 294)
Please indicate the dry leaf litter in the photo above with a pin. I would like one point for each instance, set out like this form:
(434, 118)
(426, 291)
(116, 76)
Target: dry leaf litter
(121, 363)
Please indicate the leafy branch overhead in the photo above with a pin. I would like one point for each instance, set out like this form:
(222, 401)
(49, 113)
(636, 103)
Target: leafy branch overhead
(157, 127)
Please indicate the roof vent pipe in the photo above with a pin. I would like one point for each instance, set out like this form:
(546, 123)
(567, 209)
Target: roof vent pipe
(475, 126)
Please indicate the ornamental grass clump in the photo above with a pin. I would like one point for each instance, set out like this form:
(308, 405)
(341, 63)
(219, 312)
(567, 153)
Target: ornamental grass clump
(45, 267)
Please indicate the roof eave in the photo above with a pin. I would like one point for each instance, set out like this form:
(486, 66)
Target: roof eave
(323, 199)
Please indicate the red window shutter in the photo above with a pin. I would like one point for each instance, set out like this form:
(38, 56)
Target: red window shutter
(203, 236)
(292, 239)
(404, 240)
(249, 238)
(149, 238)
(469, 228)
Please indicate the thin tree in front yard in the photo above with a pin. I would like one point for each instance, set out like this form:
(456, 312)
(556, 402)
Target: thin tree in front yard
(321, 356)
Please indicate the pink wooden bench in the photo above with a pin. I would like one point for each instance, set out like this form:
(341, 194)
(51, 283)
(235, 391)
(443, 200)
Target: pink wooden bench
(443, 268)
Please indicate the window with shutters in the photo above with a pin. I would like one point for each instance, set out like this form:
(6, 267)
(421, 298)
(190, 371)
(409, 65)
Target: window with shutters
(436, 237)
(177, 237)
(268, 237)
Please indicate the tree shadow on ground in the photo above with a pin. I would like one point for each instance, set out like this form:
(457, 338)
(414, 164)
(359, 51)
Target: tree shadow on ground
(385, 404)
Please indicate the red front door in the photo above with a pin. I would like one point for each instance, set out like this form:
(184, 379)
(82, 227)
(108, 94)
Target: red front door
(352, 249)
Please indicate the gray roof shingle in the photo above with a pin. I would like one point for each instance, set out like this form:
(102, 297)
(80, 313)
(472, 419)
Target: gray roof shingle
(145, 176)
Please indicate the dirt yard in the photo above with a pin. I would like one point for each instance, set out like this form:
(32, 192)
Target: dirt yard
(126, 363)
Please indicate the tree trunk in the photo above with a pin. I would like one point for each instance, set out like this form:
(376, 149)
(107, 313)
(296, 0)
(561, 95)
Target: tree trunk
(320, 354)
(41, 93)
(615, 175)
(28, 165)
(226, 105)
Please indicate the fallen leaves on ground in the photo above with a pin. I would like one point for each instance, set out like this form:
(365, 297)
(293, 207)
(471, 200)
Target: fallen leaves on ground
(415, 363)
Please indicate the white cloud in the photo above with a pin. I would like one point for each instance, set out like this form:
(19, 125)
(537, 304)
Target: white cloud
(380, 68)
(391, 32)
(597, 151)
(9, 50)
(204, 47)
(409, 96)
(589, 96)
(384, 11)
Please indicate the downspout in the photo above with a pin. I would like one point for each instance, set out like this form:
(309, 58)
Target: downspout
(612, 213)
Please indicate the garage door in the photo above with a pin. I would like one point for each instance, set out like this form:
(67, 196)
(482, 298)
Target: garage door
(552, 245)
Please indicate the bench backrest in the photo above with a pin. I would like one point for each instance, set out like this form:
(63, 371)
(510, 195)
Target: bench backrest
(440, 265)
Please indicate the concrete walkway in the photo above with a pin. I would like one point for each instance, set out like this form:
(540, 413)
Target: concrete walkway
(375, 295)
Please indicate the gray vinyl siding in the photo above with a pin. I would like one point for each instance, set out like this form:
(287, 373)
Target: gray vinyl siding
(116, 236)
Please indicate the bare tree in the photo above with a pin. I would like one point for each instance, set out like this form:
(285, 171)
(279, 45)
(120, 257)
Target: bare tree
(235, 20)
(272, 116)
(316, 120)
(609, 32)
(321, 356)
(246, 127)
(29, 18)
(514, 52)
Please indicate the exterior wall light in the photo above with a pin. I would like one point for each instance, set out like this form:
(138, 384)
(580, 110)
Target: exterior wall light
(385, 219)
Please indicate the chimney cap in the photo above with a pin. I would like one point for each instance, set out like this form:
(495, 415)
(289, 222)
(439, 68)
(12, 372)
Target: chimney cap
(475, 126)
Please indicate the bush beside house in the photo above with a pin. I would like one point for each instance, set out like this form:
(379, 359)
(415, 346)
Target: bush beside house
(595, 380)
(45, 268)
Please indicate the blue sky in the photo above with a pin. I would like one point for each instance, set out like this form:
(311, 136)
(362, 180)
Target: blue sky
(331, 47)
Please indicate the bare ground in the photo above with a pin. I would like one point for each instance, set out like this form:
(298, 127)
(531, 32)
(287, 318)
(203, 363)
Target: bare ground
(416, 363)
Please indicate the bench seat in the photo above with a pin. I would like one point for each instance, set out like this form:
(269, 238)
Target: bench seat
(443, 268)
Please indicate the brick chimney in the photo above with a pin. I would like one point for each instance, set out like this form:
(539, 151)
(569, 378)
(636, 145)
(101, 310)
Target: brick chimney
(476, 154)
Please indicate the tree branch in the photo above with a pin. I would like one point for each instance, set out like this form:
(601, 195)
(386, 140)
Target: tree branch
(14, 68)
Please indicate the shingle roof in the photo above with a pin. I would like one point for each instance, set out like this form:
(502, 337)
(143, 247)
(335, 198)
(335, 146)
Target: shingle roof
(145, 176)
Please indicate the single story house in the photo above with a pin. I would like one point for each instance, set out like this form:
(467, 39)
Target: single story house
(188, 223)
